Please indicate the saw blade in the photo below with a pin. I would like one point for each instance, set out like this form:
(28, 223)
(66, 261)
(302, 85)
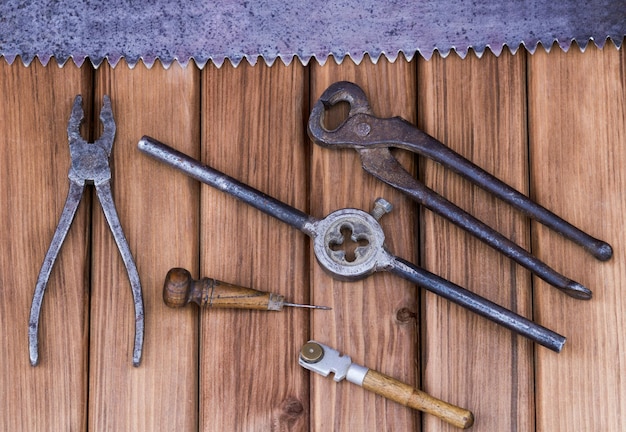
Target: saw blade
(216, 31)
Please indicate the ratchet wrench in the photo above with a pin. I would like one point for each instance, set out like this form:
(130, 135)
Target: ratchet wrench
(372, 138)
(369, 257)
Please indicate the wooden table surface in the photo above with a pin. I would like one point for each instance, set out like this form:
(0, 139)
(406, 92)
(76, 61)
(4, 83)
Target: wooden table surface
(553, 125)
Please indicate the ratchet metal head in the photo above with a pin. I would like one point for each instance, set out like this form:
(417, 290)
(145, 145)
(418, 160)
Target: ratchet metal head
(350, 226)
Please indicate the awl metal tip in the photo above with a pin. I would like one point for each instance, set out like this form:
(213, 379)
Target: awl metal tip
(307, 306)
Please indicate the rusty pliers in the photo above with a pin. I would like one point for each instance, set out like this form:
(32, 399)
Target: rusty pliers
(90, 166)
(372, 138)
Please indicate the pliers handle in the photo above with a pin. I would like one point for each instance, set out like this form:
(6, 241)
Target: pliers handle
(372, 138)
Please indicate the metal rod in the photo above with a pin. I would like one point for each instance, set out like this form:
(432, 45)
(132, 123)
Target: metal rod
(478, 305)
(223, 182)
(298, 305)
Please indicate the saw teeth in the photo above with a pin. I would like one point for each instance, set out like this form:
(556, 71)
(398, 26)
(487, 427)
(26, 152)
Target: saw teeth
(201, 61)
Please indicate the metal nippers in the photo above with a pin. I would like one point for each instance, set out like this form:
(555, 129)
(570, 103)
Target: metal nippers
(89, 166)
(349, 224)
(372, 138)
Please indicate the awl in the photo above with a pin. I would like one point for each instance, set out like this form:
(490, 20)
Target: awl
(323, 360)
(181, 289)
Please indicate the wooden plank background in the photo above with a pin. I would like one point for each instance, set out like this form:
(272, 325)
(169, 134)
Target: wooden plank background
(553, 125)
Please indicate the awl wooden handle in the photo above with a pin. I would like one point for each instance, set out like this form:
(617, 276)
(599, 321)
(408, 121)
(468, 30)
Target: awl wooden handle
(406, 395)
(180, 289)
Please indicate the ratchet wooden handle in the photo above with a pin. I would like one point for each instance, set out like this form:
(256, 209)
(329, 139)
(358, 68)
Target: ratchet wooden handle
(406, 395)
(180, 289)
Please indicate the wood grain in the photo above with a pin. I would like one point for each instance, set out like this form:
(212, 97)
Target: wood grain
(253, 130)
(159, 212)
(406, 395)
(35, 104)
(577, 134)
(552, 124)
(374, 320)
(477, 108)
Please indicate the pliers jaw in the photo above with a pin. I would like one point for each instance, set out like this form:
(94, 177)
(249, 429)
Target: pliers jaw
(106, 118)
(76, 119)
(90, 161)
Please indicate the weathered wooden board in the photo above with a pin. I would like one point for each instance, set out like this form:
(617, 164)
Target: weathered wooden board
(577, 128)
(159, 212)
(477, 108)
(253, 130)
(551, 125)
(35, 104)
(373, 320)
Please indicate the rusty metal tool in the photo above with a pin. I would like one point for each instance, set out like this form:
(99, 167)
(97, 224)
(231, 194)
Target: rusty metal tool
(271, 30)
(90, 166)
(349, 224)
(323, 360)
(180, 289)
(372, 138)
